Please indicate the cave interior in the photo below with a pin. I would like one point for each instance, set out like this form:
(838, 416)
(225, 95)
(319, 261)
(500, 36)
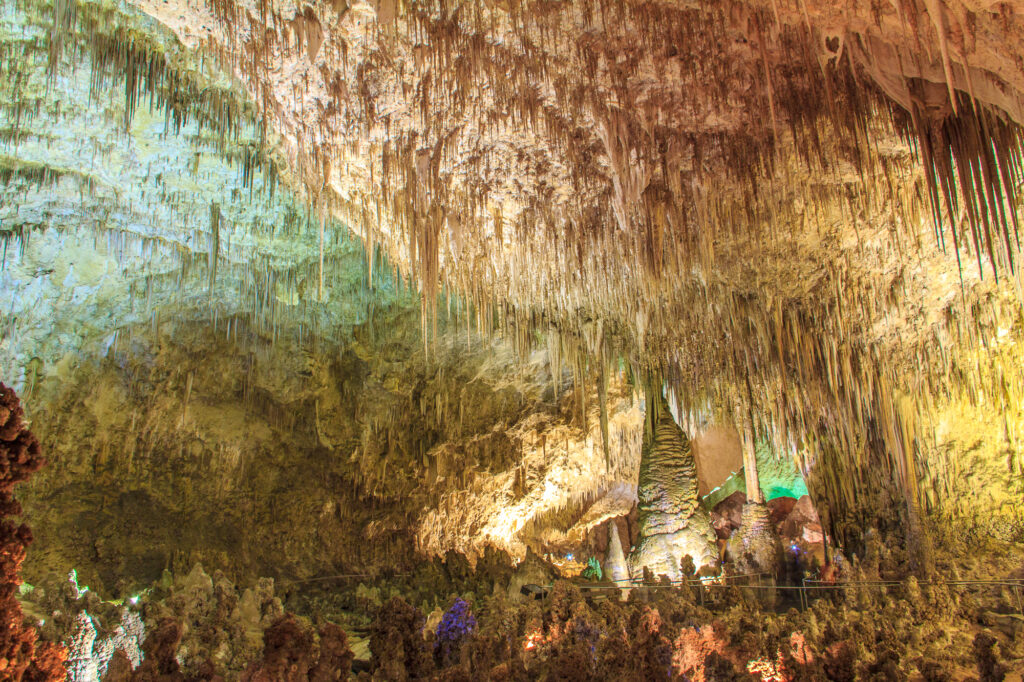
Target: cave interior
(511, 340)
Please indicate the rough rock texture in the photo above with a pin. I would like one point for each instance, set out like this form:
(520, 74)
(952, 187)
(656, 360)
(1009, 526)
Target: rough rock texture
(727, 515)
(289, 655)
(599, 180)
(396, 640)
(755, 197)
(22, 655)
(90, 657)
(220, 624)
(81, 664)
(672, 522)
(383, 451)
(533, 570)
(801, 524)
(160, 662)
(755, 547)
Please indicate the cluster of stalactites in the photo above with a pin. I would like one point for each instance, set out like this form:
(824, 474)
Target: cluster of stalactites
(569, 188)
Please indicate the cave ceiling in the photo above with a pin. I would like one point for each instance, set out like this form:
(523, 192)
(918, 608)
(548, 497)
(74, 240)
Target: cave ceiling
(799, 217)
(802, 214)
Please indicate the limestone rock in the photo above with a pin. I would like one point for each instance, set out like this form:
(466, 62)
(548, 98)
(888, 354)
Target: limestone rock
(801, 524)
(615, 567)
(755, 546)
(672, 522)
(533, 570)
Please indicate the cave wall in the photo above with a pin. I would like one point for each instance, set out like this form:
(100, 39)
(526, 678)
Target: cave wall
(811, 294)
(262, 458)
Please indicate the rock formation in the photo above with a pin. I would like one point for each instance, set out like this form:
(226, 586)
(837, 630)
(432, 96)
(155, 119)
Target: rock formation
(615, 566)
(755, 547)
(363, 292)
(672, 522)
(756, 200)
(22, 655)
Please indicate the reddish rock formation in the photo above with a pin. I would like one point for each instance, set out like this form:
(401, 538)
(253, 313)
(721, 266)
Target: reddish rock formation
(396, 641)
(801, 523)
(728, 514)
(161, 648)
(780, 507)
(288, 654)
(22, 656)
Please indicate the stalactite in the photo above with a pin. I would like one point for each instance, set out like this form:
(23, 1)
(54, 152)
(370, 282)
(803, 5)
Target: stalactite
(553, 164)
(214, 244)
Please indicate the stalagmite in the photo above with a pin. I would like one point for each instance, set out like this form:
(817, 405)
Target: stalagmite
(754, 547)
(672, 522)
(615, 567)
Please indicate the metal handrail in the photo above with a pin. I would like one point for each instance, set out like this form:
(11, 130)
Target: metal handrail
(690, 581)
(1010, 582)
(806, 586)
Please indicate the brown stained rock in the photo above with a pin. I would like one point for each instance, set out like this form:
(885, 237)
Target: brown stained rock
(728, 514)
(599, 538)
(336, 656)
(630, 534)
(287, 653)
(780, 507)
(291, 653)
(692, 648)
(22, 656)
(397, 644)
(160, 662)
(119, 668)
(801, 524)
(990, 668)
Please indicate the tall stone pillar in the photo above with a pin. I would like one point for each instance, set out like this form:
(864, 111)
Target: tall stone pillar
(750, 465)
(755, 546)
(672, 522)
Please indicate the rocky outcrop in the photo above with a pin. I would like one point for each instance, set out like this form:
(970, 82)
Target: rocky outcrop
(801, 524)
(22, 656)
(289, 654)
(533, 570)
(672, 522)
(90, 657)
(727, 515)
